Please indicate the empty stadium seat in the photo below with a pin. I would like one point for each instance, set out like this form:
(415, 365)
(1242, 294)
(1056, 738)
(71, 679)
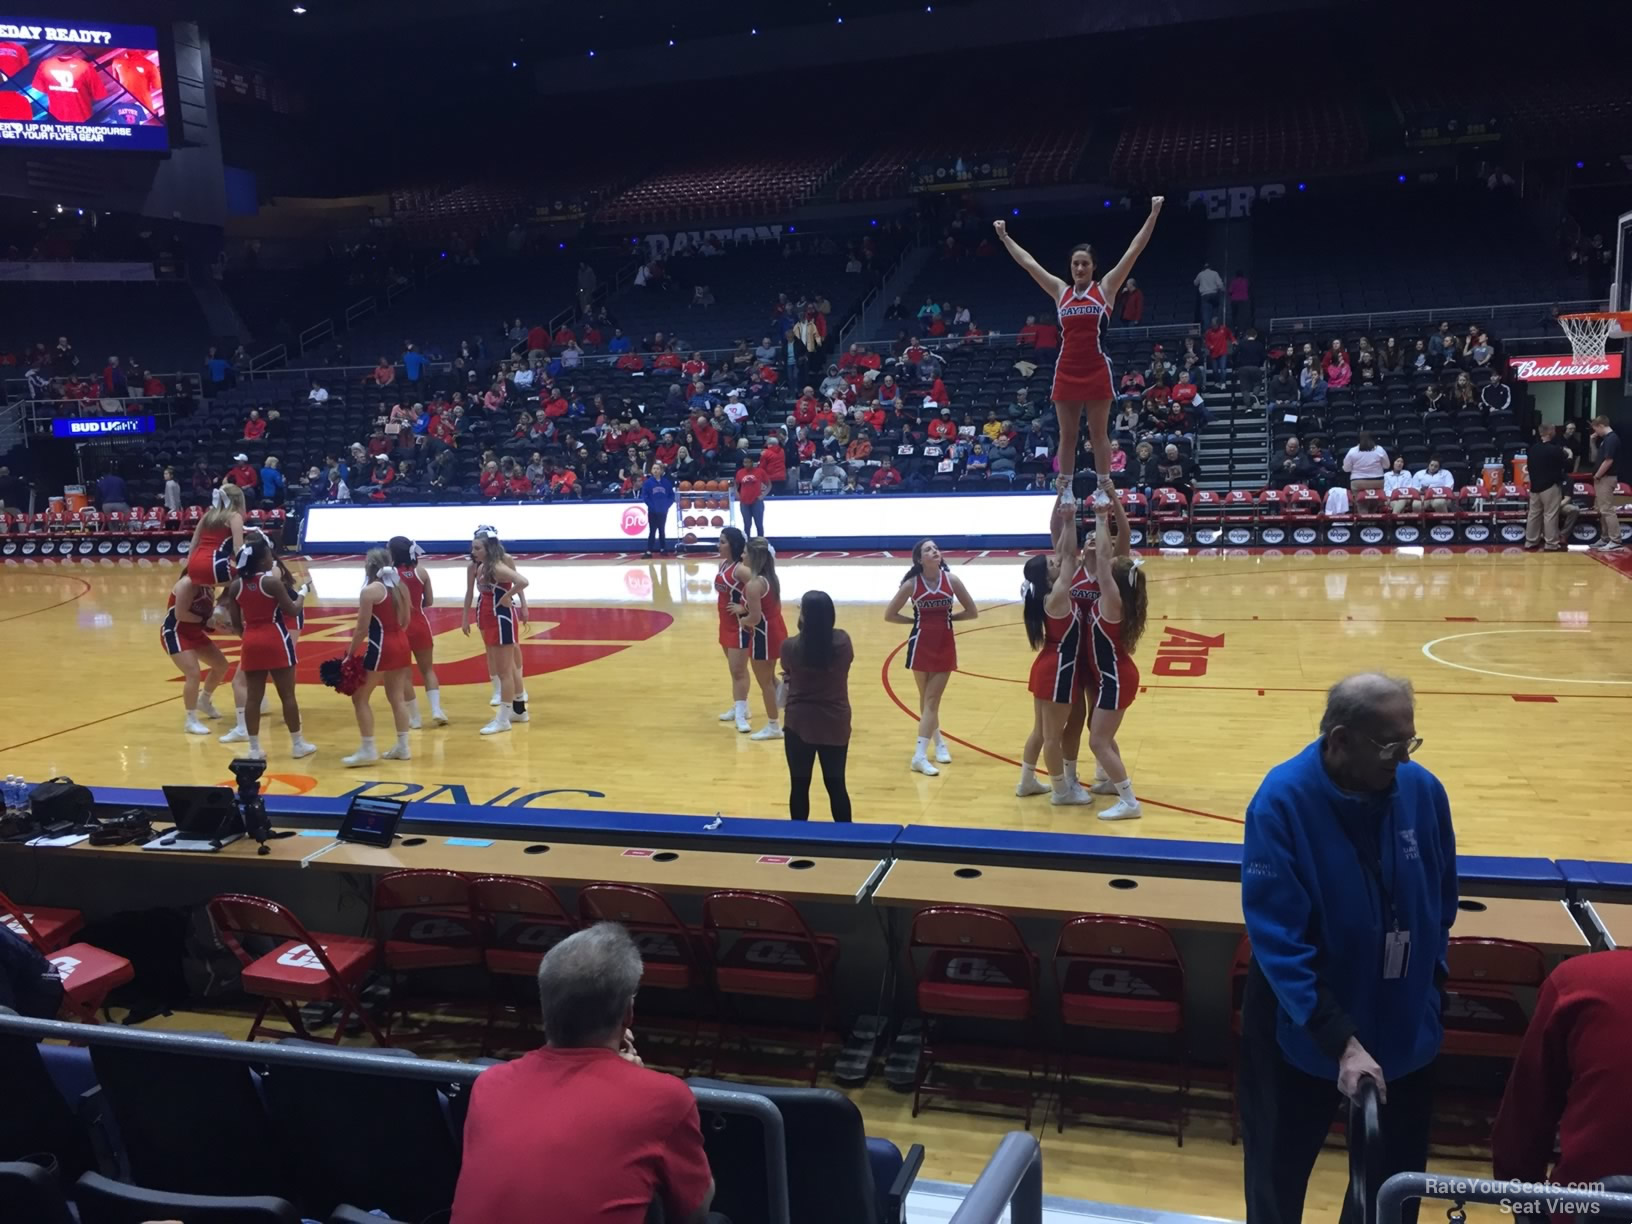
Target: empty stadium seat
(423, 920)
(524, 920)
(102, 1200)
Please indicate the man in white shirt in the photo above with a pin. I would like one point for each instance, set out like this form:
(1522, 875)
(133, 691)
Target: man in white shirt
(735, 410)
(1436, 486)
(1210, 285)
(523, 377)
(318, 395)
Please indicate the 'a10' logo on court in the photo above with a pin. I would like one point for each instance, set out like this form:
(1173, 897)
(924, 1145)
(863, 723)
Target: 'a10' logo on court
(1182, 653)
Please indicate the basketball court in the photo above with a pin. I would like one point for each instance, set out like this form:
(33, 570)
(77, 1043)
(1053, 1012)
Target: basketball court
(1520, 663)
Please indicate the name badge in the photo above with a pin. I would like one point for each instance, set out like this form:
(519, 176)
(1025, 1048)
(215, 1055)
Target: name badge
(1396, 954)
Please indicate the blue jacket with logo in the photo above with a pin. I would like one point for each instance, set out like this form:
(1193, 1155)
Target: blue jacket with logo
(1325, 875)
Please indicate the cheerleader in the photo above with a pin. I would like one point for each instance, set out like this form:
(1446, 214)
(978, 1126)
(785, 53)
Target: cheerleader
(932, 651)
(1119, 620)
(261, 608)
(1085, 595)
(728, 581)
(240, 680)
(501, 615)
(186, 642)
(1054, 628)
(405, 555)
(383, 609)
(218, 538)
(761, 630)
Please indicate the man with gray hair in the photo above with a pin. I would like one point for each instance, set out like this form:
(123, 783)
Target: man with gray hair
(1348, 886)
(580, 1130)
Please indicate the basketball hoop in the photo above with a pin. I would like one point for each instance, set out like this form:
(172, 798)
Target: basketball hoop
(1589, 332)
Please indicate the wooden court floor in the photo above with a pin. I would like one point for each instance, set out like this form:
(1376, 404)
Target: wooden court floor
(1523, 666)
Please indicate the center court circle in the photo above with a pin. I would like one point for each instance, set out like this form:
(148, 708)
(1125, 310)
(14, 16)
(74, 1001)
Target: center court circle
(1428, 650)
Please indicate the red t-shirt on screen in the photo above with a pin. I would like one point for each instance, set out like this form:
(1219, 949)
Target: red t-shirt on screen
(13, 56)
(16, 106)
(139, 74)
(71, 87)
(579, 1135)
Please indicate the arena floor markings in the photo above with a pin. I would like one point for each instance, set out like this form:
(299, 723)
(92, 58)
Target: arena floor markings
(1520, 662)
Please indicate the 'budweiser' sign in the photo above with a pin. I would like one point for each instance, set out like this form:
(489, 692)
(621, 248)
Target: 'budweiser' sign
(1555, 369)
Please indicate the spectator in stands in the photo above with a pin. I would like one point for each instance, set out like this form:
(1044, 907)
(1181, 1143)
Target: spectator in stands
(254, 427)
(931, 309)
(172, 490)
(1462, 396)
(242, 473)
(1250, 352)
(1391, 357)
(941, 427)
(581, 1124)
(1289, 467)
(1145, 471)
(1365, 463)
(1606, 473)
(833, 385)
(1126, 423)
(1240, 299)
(773, 462)
(1436, 486)
(1311, 385)
(1396, 483)
(1571, 1079)
(112, 494)
(1209, 294)
(1027, 336)
(1283, 388)
(1219, 341)
(706, 438)
(993, 428)
(113, 380)
(619, 343)
(1495, 395)
(318, 394)
(1130, 302)
(1159, 362)
(1331, 994)
(272, 483)
(1004, 458)
(384, 372)
(1365, 369)
(491, 481)
(414, 362)
(1439, 343)
(1338, 372)
(1321, 467)
(1481, 352)
(1177, 472)
(218, 371)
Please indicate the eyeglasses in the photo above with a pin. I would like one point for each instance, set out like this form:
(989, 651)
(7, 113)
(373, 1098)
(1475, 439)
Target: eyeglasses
(1389, 752)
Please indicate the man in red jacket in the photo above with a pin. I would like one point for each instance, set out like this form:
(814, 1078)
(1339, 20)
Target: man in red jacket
(1572, 1078)
(941, 428)
(773, 461)
(705, 436)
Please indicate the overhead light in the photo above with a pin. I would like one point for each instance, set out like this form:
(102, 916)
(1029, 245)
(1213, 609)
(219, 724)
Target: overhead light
(671, 42)
(592, 55)
(298, 9)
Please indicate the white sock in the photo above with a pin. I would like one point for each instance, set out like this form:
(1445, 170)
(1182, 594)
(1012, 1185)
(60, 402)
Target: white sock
(402, 741)
(1061, 785)
(1028, 773)
(254, 743)
(741, 708)
(1071, 773)
(413, 707)
(435, 696)
(939, 742)
(1124, 791)
(774, 723)
(522, 696)
(241, 726)
(498, 687)
(192, 714)
(923, 747)
(295, 738)
(503, 714)
(1099, 773)
(365, 746)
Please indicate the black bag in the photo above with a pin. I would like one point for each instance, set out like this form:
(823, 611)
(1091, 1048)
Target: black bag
(62, 802)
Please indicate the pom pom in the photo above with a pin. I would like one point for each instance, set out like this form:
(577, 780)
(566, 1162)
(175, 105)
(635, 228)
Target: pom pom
(344, 674)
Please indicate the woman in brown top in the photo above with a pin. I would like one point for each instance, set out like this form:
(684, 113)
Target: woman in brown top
(816, 712)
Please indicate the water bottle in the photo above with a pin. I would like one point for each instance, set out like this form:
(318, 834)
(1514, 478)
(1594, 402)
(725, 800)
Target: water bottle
(23, 802)
(13, 788)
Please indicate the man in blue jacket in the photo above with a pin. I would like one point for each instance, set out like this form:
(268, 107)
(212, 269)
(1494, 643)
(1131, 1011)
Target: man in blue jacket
(1348, 885)
(657, 491)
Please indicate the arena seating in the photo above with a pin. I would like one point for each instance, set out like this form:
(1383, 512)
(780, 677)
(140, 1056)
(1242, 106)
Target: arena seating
(725, 189)
(1037, 159)
(157, 324)
(1204, 142)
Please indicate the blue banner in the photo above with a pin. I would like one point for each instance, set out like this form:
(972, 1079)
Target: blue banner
(101, 427)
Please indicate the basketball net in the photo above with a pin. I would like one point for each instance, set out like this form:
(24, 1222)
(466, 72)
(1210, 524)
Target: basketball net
(1589, 333)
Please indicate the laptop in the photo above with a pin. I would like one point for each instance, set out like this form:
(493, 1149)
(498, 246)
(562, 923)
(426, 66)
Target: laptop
(206, 817)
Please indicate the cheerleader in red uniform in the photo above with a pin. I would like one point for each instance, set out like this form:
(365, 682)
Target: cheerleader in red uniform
(932, 651)
(497, 591)
(760, 628)
(1054, 627)
(240, 682)
(728, 590)
(264, 610)
(380, 637)
(1085, 595)
(217, 538)
(187, 644)
(1082, 374)
(1119, 620)
(405, 555)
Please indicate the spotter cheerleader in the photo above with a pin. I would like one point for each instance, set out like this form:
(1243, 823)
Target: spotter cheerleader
(383, 609)
(264, 611)
(1119, 620)
(760, 628)
(1054, 627)
(932, 651)
(188, 645)
(406, 555)
(728, 580)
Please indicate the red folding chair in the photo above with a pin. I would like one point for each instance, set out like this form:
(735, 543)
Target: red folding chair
(972, 964)
(673, 955)
(762, 949)
(1123, 975)
(524, 919)
(423, 920)
(301, 967)
(44, 926)
(1484, 1020)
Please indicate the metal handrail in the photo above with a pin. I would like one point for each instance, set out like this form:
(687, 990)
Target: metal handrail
(1465, 314)
(364, 1062)
(1516, 1198)
(1013, 1179)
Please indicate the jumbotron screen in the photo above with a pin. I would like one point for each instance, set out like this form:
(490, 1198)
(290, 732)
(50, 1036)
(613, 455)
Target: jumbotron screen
(65, 83)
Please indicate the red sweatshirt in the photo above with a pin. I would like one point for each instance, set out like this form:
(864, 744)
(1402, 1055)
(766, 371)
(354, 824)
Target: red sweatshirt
(1573, 1074)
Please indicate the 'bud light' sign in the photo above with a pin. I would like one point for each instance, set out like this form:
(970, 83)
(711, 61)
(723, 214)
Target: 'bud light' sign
(101, 427)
